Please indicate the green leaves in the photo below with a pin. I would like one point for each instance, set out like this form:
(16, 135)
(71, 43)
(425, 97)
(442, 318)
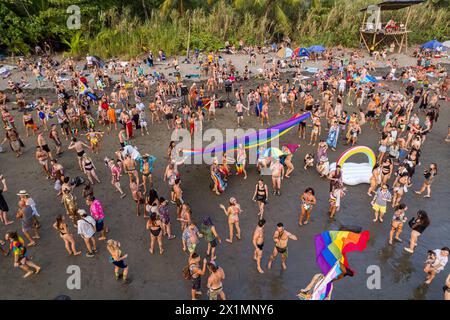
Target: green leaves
(122, 28)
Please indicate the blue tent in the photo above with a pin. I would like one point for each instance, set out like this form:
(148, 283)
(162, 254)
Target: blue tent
(432, 45)
(316, 49)
(302, 52)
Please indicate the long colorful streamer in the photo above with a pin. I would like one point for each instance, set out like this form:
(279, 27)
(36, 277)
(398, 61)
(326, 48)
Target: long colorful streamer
(255, 139)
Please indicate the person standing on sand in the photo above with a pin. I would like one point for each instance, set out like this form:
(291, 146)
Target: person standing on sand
(281, 238)
(215, 287)
(64, 233)
(86, 229)
(258, 243)
(25, 213)
(96, 209)
(118, 260)
(277, 170)
(3, 205)
(195, 274)
(418, 224)
(233, 211)
(78, 146)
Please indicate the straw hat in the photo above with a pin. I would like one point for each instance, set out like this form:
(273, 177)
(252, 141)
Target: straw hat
(82, 212)
(23, 193)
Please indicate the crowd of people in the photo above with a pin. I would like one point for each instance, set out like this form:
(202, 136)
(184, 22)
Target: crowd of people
(125, 101)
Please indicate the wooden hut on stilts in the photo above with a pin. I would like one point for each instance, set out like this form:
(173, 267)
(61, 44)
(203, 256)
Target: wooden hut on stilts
(374, 32)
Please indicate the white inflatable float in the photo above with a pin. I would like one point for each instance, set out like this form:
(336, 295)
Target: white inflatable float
(355, 173)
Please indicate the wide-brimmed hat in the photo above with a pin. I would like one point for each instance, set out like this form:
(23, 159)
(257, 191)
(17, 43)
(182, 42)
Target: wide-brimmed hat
(82, 212)
(146, 155)
(23, 193)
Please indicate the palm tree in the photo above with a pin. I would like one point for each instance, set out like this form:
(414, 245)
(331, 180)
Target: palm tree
(277, 11)
(180, 5)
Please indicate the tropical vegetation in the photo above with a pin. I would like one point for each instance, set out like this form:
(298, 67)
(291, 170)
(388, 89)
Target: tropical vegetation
(128, 28)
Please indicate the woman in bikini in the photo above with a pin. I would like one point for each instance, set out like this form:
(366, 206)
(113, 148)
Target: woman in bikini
(308, 200)
(117, 259)
(288, 161)
(383, 147)
(233, 211)
(136, 194)
(89, 168)
(185, 216)
(154, 225)
(261, 196)
(387, 168)
(315, 132)
(429, 175)
(400, 185)
(61, 226)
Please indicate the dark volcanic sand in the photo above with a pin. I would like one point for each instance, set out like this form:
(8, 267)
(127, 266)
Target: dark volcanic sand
(159, 277)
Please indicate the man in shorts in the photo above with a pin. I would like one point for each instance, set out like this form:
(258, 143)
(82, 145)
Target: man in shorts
(379, 202)
(196, 273)
(281, 238)
(215, 287)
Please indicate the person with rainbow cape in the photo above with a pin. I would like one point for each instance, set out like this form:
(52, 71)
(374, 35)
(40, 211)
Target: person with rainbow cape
(219, 185)
(241, 161)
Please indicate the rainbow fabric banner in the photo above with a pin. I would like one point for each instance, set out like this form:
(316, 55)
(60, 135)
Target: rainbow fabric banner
(331, 255)
(255, 139)
(333, 246)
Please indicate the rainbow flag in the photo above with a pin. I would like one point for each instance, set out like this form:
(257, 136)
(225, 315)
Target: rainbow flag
(256, 139)
(331, 256)
(333, 246)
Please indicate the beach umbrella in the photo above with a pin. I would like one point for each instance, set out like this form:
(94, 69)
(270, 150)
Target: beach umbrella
(284, 53)
(273, 152)
(316, 49)
(432, 45)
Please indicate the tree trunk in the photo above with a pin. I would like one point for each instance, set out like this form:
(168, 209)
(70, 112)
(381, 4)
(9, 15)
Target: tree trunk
(144, 7)
(181, 8)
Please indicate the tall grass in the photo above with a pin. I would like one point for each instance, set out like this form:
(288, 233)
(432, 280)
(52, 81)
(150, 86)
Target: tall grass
(123, 35)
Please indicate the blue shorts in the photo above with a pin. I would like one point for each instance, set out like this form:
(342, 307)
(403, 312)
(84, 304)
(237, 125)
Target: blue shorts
(99, 225)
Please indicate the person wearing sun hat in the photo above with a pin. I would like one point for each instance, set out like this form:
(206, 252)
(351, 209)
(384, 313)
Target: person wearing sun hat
(23, 195)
